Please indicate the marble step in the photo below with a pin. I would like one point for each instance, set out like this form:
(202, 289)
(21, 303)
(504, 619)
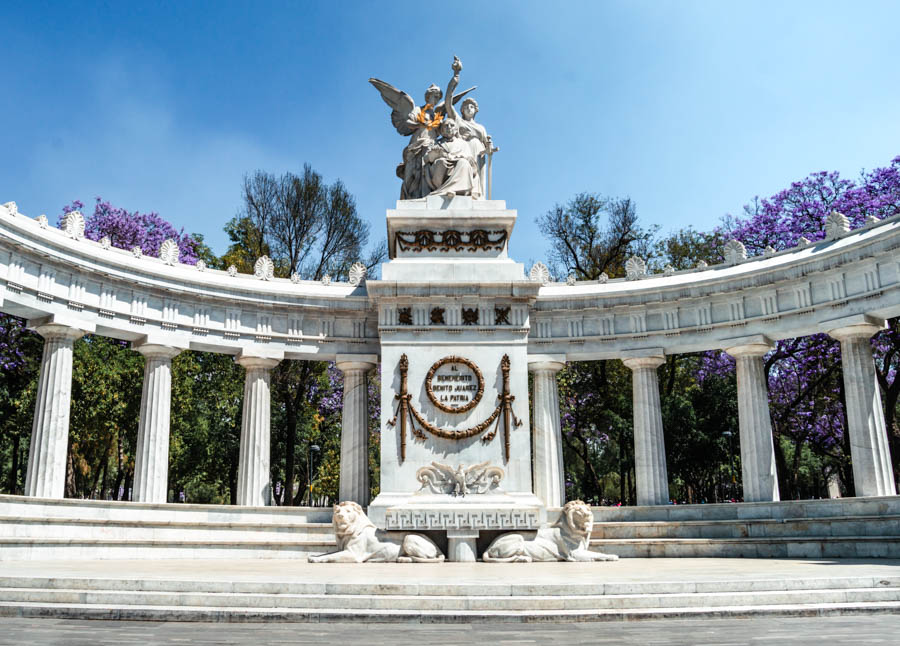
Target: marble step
(25, 506)
(41, 548)
(321, 615)
(888, 525)
(75, 528)
(754, 547)
(474, 602)
(399, 580)
(785, 509)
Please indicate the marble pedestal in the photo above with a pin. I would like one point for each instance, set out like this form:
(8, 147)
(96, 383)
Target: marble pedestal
(453, 322)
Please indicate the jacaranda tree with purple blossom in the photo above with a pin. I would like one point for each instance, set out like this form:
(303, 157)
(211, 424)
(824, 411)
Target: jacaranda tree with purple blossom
(806, 390)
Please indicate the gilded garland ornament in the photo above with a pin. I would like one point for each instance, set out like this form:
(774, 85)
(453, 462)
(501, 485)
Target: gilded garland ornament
(429, 388)
(451, 240)
(408, 417)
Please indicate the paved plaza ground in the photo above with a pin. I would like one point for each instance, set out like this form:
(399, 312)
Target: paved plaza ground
(497, 575)
(883, 629)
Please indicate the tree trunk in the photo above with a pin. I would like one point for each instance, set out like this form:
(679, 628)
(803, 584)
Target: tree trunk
(14, 473)
(70, 473)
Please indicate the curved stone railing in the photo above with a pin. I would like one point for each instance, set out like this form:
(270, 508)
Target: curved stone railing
(792, 293)
(51, 274)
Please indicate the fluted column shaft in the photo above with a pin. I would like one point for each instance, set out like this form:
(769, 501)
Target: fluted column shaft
(651, 478)
(869, 452)
(254, 487)
(151, 464)
(46, 475)
(354, 481)
(757, 445)
(548, 475)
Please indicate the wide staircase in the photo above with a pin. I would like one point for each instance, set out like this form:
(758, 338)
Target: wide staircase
(41, 529)
(836, 528)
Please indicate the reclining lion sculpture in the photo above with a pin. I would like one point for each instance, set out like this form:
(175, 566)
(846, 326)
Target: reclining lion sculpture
(566, 540)
(360, 541)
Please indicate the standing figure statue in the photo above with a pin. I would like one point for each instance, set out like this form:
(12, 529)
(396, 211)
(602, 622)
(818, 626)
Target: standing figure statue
(457, 163)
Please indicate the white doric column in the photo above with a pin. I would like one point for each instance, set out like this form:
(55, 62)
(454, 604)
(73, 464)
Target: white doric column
(869, 452)
(651, 478)
(254, 487)
(46, 476)
(548, 475)
(757, 445)
(151, 464)
(354, 481)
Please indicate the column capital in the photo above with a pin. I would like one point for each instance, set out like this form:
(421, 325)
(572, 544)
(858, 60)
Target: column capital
(157, 351)
(347, 362)
(636, 363)
(55, 326)
(857, 326)
(250, 362)
(554, 362)
(749, 346)
(54, 331)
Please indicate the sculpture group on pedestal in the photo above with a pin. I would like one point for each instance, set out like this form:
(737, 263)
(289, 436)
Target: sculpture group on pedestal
(448, 153)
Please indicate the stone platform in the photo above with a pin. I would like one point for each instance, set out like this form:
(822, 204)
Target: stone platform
(295, 591)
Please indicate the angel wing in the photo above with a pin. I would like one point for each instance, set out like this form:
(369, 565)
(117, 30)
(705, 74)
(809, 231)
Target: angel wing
(400, 102)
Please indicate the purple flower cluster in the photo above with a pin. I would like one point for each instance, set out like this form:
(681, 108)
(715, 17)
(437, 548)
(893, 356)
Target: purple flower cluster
(804, 373)
(128, 230)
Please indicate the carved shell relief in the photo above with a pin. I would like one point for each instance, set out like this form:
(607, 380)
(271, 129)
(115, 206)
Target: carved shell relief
(539, 273)
(734, 252)
(264, 269)
(73, 225)
(357, 274)
(168, 252)
(836, 225)
(635, 268)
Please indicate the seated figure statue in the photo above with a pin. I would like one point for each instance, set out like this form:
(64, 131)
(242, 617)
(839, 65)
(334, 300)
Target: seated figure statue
(360, 541)
(451, 167)
(566, 540)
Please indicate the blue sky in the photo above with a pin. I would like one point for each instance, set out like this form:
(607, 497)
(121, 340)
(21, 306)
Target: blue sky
(690, 108)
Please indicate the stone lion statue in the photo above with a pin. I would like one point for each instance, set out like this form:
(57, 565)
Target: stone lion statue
(566, 540)
(359, 541)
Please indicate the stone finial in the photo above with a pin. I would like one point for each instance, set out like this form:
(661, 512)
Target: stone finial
(169, 252)
(136, 251)
(836, 225)
(734, 251)
(603, 278)
(803, 242)
(295, 277)
(539, 273)
(872, 219)
(105, 242)
(570, 280)
(232, 271)
(635, 268)
(702, 264)
(42, 221)
(669, 271)
(11, 208)
(357, 274)
(769, 251)
(73, 225)
(326, 280)
(264, 269)
(201, 265)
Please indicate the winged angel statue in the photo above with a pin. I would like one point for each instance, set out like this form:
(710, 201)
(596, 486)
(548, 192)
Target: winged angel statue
(447, 153)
